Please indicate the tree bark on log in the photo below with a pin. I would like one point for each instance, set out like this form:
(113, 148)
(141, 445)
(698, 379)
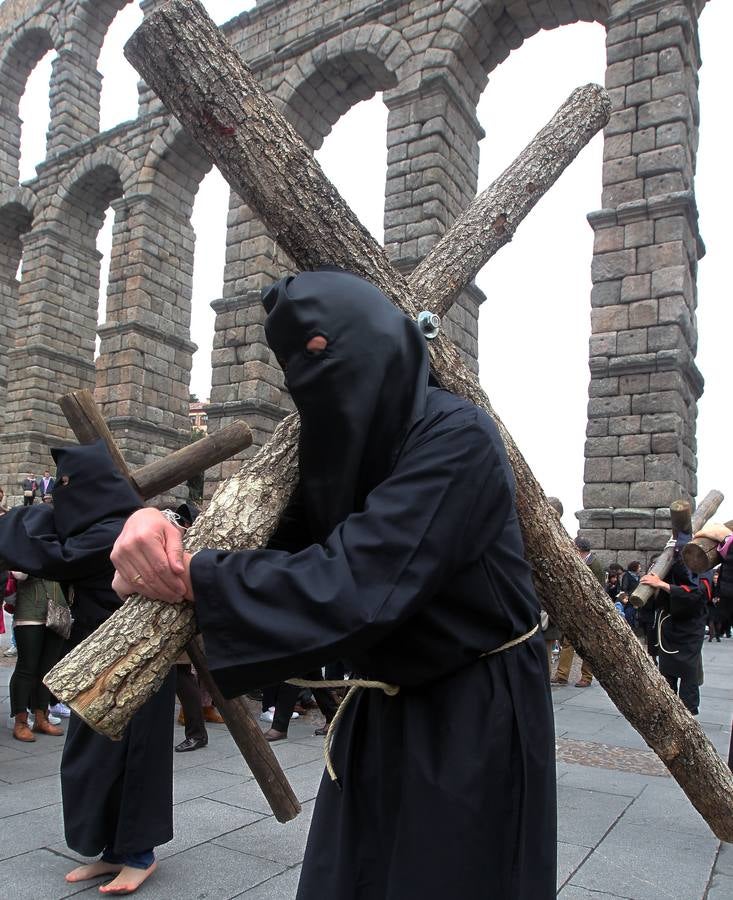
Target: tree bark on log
(701, 554)
(663, 563)
(202, 80)
(680, 514)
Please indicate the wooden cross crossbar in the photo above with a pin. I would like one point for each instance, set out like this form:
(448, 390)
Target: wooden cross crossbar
(88, 425)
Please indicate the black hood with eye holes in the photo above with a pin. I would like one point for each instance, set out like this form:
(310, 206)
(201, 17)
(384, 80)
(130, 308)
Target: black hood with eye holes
(94, 483)
(358, 398)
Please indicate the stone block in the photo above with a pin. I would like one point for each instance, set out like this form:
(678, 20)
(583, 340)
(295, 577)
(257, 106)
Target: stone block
(620, 539)
(661, 256)
(621, 122)
(604, 495)
(653, 493)
(659, 186)
(601, 446)
(674, 158)
(633, 518)
(627, 468)
(639, 92)
(666, 337)
(651, 538)
(668, 84)
(643, 140)
(671, 109)
(673, 280)
(638, 234)
(605, 293)
(624, 50)
(602, 344)
(670, 60)
(614, 195)
(603, 387)
(674, 310)
(646, 66)
(597, 469)
(596, 427)
(609, 318)
(631, 342)
(658, 402)
(608, 239)
(609, 406)
(636, 287)
(617, 146)
(643, 313)
(662, 467)
(634, 384)
(608, 266)
(595, 518)
(619, 425)
(620, 73)
(656, 423)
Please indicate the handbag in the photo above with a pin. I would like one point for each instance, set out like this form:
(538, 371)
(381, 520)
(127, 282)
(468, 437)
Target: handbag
(27, 493)
(58, 616)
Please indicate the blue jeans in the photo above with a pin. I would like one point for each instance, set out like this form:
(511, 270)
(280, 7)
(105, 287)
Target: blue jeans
(143, 859)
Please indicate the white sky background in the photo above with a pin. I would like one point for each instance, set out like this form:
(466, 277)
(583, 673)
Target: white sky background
(535, 323)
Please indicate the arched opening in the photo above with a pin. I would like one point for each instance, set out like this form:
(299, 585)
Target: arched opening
(119, 97)
(15, 220)
(26, 77)
(536, 316)
(209, 222)
(354, 157)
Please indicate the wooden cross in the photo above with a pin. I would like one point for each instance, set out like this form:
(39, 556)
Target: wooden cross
(203, 81)
(88, 425)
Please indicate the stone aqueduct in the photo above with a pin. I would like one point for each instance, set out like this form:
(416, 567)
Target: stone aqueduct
(431, 60)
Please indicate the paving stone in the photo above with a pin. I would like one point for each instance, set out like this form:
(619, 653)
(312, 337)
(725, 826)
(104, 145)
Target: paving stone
(37, 875)
(569, 857)
(201, 781)
(619, 868)
(270, 839)
(31, 830)
(200, 820)
(584, 817)
(280, 887)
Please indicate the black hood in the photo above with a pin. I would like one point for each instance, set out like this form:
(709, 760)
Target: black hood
(94, 484)
(358, 398)
(189, 512)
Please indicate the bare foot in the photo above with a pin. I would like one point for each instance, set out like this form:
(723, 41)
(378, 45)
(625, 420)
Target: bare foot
(128, 881)
(93, 870)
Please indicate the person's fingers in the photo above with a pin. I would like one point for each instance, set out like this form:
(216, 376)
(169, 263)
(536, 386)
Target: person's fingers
(140, 557)
(174, 549)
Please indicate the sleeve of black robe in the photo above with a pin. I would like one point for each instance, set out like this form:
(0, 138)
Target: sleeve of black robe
(29, 543)
(267, 615)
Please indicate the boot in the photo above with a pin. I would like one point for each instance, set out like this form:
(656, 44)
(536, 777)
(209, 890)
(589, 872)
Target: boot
(42, 725)
(212, 714)
(21, 731)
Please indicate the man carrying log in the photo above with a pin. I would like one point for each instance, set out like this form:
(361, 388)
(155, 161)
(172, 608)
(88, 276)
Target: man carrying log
(404, 555)
(117, 795)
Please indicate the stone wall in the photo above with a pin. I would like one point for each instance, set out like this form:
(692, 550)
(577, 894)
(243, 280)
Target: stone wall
(431, 62)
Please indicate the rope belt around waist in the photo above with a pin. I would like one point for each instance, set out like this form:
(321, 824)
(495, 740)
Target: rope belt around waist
(390, 690)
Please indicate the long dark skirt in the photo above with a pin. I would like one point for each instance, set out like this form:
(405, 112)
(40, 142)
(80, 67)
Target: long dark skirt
(119, 794)
(445, 791)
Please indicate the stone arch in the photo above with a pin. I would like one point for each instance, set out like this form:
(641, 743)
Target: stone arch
(478, 35)
(17, 211)
(174, 166)
(88, 23)
(326, 82)
(27, 48)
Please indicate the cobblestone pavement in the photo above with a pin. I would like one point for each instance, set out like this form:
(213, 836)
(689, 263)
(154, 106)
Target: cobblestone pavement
(625, 829)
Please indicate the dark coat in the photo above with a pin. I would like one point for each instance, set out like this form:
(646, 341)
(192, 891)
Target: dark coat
(680, 624)
(447, 788)
(116, 794)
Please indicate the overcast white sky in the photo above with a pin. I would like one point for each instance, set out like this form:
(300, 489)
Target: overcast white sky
(535, 323)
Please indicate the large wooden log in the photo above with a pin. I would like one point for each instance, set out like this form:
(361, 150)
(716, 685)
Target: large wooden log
(101, 687)
(663, 563)
(701, 554)
(202, 81)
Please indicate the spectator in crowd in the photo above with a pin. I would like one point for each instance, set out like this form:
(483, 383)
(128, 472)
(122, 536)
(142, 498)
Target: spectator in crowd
(630, 578)
(583, 549)
(39, 649)
(612, 585)
(46, 484)
(3, 507)
(30, 488)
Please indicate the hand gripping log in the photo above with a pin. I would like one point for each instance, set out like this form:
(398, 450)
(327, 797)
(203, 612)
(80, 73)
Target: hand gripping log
(102, 697)
(202, 80)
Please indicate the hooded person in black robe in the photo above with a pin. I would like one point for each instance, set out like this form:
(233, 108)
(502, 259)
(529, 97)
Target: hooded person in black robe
(680, 613)
(401, 551)
(117, 795)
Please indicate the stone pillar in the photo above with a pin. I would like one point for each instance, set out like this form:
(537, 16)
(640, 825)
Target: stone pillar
(53, 351)
(432, 172)
(247, 382)
(148, 100)
(640, 452)
(74, 98)
(10, 128)
(144, 366)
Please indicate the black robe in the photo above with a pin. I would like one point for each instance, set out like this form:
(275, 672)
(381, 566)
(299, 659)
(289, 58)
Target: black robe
(679, 623)
(448, 788)
(116, 794)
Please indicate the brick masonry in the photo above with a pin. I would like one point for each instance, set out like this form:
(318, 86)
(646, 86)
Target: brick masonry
(431, 60)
